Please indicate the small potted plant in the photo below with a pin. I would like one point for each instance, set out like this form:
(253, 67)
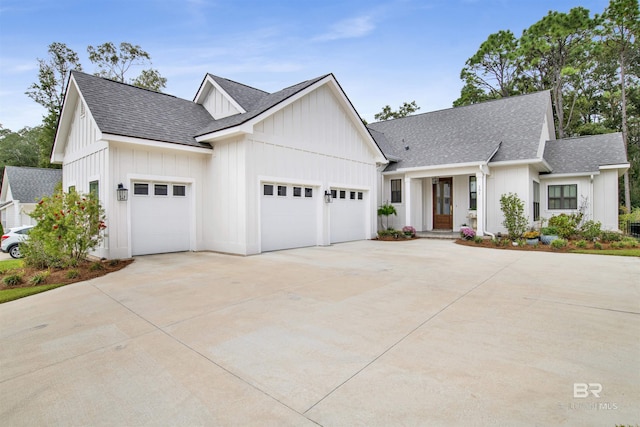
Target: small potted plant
(548, 234)
(409, 231)
(532, 237)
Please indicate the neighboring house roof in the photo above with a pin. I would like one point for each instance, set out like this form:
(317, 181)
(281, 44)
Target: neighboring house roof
(585, 154)
(258, 106)
(125, 110)
(513, 126)
(29, 185)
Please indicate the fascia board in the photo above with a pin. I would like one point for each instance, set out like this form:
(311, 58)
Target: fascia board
(155, 144)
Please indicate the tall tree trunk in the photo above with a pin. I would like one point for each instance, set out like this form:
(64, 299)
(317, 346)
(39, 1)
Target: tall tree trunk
(625, 130)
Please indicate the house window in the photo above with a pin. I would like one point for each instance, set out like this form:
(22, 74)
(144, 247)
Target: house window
(359, 195)
(93, 189)
(160, 190)
(473, 193)
(72, 189)
(563, 196)
(141, 189)
(396, 191)
(282, 190)
(308, 192)
(343, 194)
(297, 192)
(268, 190)
(179, 190)
(536, 201)
(352, 195)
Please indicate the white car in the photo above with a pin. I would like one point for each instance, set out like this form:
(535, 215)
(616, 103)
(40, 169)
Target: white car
(11, 240)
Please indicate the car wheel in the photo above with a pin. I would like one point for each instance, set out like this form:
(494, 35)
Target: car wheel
(14, 251)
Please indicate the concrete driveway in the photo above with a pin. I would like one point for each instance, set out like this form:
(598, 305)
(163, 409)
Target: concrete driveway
(366, 333)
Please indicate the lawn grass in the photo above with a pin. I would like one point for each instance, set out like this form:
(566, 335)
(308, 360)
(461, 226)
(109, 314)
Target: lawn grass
(11, 294)
(618, 252)
(10, 264)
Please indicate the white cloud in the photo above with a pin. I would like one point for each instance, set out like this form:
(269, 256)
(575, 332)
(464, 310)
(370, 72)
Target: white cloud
(350, 28)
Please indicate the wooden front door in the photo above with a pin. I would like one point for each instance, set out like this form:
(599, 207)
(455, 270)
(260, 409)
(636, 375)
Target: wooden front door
(443, 204)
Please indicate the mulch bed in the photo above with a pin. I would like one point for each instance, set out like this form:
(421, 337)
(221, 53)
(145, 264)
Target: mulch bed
(487, 243)
(85, 271)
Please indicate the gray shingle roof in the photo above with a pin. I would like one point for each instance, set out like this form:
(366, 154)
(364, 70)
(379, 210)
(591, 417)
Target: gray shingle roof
(259, 107)
(466, 134)
(585, 153)
(247, 96)
(29, 185)
(126, 110)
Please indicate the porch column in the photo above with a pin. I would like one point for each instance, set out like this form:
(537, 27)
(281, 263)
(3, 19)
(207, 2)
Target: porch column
(407, 202)
(480, 202)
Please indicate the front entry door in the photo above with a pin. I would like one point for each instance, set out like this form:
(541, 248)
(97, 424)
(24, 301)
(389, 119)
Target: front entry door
(443, 204)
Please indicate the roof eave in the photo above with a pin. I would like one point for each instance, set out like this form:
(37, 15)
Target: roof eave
(237, 130)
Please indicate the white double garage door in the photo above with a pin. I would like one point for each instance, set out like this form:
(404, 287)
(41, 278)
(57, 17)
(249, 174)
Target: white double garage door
(291, 216)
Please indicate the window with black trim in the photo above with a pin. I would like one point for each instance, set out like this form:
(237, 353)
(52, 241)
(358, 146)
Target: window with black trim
(268, 190)
(160, 190)
(396, 191)
(563, 196)
(282, 190)
(297, 192)
(94, 189)
(473, 193)
(359, 195)
(343, 194)
(140, 189)
(536, 201)
(179, 190)
(308, 192)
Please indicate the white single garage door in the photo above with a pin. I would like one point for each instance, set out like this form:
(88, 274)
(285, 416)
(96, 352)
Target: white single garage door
(348, 215)
(289, 216)
(160, 218)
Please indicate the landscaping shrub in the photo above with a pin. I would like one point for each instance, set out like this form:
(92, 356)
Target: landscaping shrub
(559, 244)
(581, 244)
(514, 219)
(597, 245)
(467, 233)
(386, 211)
(566, 225)
(96, 266)
(409, 231)
(39, 278)
(69, 226)
(478, 239)
(610, 236)
(12, 279)
(591, 230)
(73, 274)
(629, 242)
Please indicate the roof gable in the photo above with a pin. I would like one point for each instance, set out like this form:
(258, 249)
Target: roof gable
(513, 126)
(29, 185)
(585, 154)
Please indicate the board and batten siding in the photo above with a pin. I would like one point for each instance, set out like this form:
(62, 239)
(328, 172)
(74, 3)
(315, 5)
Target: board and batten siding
(313, 142)
(217, 104)
(161, 165)
(504, 180)
(605, 191)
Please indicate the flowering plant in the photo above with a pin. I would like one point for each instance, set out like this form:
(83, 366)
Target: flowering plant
(467, 233)
(409, 230)
(532, 234)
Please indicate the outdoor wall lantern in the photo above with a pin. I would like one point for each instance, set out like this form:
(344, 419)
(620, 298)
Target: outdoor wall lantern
(327, 196)
(123, 193)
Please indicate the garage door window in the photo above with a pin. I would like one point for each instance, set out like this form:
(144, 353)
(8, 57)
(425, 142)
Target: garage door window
(359, 195)
(282, 190)
(179, 190)
(308, 192)
(297, 192)
(268, 190)
(141, 189)
(160, 190)
(343, 194)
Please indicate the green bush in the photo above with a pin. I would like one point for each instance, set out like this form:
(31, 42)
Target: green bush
(478, 239)
(69, 226)
(581, 244)
(559, 244)
(96, 266)
(591, 230)
(597, 245)
(610, 236)
(629, 242)
(565, 224)
(514, 219)
(12, 279)
(39, 278)
(386, 211)
(73, 274)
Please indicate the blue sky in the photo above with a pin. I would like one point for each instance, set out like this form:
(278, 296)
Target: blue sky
(381, 52)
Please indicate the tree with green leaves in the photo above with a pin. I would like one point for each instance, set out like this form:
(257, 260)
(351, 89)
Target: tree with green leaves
(620, 29)
(407, 108)
(19, 148)
(115, 62)
(493, 71)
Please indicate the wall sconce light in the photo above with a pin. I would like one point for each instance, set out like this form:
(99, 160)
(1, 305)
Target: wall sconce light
(123, 193)
(327, 196)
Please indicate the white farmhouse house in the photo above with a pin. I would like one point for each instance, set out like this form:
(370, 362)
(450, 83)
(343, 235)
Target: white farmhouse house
(237, 170)
(243, 171)
(448, 168)
(22, 188)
